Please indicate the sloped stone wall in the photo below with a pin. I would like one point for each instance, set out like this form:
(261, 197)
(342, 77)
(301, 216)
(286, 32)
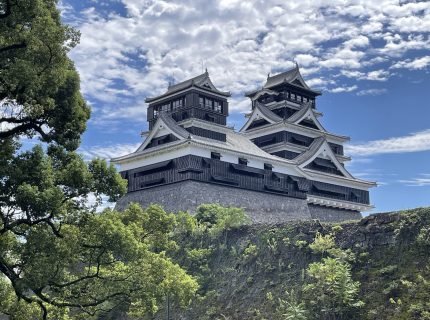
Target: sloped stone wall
(326, 214)
(188, 195)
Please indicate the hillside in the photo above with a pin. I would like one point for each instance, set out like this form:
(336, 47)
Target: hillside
(261, 272)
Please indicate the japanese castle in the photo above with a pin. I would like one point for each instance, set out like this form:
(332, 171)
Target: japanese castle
(282, 164)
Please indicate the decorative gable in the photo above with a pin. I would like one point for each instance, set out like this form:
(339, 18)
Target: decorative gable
(298, 82)
(164, 131)
(324, 160)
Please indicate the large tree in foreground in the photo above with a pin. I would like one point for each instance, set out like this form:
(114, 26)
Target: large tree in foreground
(59, 258)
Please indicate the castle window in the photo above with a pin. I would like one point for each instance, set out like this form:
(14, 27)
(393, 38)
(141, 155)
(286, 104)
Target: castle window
(201, 102)
(208, 103)
(217, 106)
(177, 104)
(216, 155)
(165, 107)
(243, 161)
(268, 166)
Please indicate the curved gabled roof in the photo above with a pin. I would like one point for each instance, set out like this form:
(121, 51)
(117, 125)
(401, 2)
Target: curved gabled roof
(202, 81)
(297, 116)
(267, 113)
(305, 112)
(317, 147)
(308, 154)
(261, 111)
(254, 95)
(292, 77)
(164, 121)
(173, 126)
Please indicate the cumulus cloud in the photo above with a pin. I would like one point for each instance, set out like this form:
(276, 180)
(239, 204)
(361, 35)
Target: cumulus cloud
(343, 89)
(375, 75)
(419, 141)
(124, 58)
(419, 63)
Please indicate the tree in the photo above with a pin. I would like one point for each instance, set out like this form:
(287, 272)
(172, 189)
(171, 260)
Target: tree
(330, 292)
(39, 86)
(57, 254)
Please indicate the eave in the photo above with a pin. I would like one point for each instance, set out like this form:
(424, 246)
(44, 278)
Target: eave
(341, 204)
(271, 128)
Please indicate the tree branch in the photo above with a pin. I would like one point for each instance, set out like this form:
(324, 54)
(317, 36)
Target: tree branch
(23, 129)
(13, 47)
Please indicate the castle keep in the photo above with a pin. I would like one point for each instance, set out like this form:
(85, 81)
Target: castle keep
(282, 165)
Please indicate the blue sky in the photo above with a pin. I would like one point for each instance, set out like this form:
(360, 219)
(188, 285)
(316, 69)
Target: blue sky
(371, 59)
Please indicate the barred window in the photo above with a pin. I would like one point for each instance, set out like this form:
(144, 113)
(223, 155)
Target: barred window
(217, 106)
(177, 104)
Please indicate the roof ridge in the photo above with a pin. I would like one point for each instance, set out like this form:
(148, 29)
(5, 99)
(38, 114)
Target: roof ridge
(172, 125)
(313, 148)
(267, 112)
(297, 115)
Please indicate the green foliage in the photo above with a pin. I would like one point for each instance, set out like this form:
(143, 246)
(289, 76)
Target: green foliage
(301, 244)
(122, 261)
(331, 293)
(250, 252)
(423, 237)
(59, 259)
(220, 219)
(186, 224)
(388, 280)
(323, 244)
(290, 308)
(39, 86)
(336, 228)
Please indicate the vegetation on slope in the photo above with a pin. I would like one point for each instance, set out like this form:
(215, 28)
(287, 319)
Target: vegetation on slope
(376, 268)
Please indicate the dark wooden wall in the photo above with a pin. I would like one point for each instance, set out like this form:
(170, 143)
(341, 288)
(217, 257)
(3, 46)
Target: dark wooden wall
(236, 176)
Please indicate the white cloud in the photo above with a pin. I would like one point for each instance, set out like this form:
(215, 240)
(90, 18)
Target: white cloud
(371, 92)
(419, 63)
(108, 152)
(343, 89)
(397, 45)
(419, 141)
(358, 42)
(123, 59)
(376, 75)
(421, 181)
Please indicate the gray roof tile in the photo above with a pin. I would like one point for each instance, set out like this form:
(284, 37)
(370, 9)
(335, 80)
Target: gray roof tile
(197, 82)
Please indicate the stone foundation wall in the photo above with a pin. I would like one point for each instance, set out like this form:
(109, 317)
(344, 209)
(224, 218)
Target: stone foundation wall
(327, 214)
(188, 195)
(261, 207)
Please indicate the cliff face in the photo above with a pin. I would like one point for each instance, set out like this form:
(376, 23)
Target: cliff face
(254, 271)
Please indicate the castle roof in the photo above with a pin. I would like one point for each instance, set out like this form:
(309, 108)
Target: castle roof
(235, 142)
(262, 111)
(292, 77)
(202, 82)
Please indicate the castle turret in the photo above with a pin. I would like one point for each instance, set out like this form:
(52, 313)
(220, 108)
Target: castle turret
(195, 98)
